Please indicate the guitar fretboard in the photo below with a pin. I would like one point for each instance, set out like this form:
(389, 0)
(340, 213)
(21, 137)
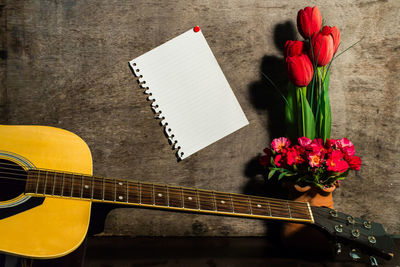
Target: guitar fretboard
(122, 191)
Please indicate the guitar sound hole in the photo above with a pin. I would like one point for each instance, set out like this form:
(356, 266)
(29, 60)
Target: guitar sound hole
(12, 180)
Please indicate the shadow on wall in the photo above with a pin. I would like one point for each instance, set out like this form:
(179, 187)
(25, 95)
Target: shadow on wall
(265, 98)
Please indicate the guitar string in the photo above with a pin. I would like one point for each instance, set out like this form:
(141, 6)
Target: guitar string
(237, 200)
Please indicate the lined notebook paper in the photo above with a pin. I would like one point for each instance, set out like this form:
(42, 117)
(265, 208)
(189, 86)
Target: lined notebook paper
(189, 92)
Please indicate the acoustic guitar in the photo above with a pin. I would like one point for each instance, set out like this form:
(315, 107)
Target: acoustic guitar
(47, 187)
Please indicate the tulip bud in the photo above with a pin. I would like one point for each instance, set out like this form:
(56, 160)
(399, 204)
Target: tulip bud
(323, 46)
(300, 70)
(294, 48)
(309, 21)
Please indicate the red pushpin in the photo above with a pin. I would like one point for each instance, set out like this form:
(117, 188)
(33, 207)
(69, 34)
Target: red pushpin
(196, 29)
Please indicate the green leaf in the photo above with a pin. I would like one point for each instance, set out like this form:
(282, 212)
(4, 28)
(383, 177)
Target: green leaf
(291, 112)
(325, 119)
(307, 116)
(283, 174)
(271, 173)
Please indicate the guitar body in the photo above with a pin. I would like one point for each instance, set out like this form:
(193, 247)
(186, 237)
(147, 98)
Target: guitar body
(47, 227)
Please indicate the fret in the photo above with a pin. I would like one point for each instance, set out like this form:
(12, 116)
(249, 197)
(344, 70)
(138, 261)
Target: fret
(97, 188)
(189, 198)
(127, 194)
(87, 187)
(154, 200)
(146, 194)
(182, 198)
(121, 194)
(259, 206)
(215, 201)
(72, 183)
(232, 207)
(62, 184)
(279, 209)
(223, 200)
(249, 202)
(31, 182)
(290, 214)
(67, 185)
(109, 189)
(140, 193)
(115, 191)
(104, 187)
(175, 197)
(206, 200)
(160, 195)
(198, 199)
(92, 183)
(49, 183)
(133, 192)
(240, 204)
(77, 186)
(37, 181)
(58, 184)
(269, 209)
(167, 195)
(54, 183)
(299, 210)
(45, 182)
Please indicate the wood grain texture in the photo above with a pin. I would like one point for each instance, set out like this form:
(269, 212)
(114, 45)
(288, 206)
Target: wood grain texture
(66, 65)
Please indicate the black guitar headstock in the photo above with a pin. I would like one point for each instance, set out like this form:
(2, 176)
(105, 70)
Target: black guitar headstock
(368, 237)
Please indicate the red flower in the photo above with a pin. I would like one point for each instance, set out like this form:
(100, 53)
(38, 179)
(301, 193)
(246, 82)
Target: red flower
(309, 21)
(265, 159)
(346, 147)
(294, 48)
(315, 160)
(355, 163)
(323, 46)
(336, 37)
(279, 160)
(294, 155)
(335, 162)
(300, 69)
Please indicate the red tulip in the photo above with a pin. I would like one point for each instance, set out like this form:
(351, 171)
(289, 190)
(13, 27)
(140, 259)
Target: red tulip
(294, 48)
(336, 37)
(309, 21)
(300, 70)
(323, 46)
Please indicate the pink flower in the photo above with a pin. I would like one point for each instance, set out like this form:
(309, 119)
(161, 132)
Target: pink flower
(317, 146)
(304, 141)
(280, 145)
(314, 159)
(346, 147)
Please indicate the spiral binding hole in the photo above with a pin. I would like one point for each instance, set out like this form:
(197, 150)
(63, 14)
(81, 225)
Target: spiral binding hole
(134, 64)
(140, 76)
(137, 70)
(169, 129)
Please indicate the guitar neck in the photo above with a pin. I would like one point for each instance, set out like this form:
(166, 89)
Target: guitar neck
(126, 192)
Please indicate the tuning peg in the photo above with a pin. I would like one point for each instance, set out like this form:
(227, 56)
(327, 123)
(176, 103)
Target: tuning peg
(338, 248)
(354, 255)
(373, 261)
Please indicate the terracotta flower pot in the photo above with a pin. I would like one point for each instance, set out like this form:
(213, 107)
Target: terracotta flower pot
(301, 235)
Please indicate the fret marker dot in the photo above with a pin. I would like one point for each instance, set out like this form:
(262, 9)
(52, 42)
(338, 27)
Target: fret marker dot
(120, 197)
(120, 183)
(159, 194)
(258, 206)
(190, 198)
(86, 186)
(222, 201)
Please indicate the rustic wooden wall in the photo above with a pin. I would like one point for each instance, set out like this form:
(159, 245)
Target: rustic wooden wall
(65, 64)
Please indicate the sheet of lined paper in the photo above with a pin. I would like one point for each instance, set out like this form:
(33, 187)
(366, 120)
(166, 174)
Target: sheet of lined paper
(188, 87)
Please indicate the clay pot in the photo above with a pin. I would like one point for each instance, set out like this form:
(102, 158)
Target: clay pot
(301, 235)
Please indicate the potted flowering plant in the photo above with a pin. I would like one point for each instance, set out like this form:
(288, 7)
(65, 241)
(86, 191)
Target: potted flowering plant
(308, 156)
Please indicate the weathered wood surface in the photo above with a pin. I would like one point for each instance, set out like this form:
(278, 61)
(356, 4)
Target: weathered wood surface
(64, 64)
